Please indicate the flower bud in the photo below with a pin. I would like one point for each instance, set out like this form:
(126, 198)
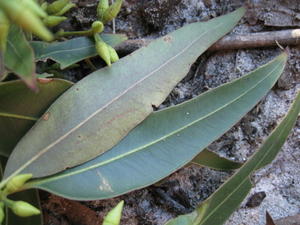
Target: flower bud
(24, 209)
(113, 54)
(56, 6)
(65, 9)
(2, 214)
(34, 7)
(44, 6)
(114, 216)
(103, 5)
(51, 21)
(25, 18)
(17, 182)
(102, 49)
(97, 27)
(112, 11)
(4, 29)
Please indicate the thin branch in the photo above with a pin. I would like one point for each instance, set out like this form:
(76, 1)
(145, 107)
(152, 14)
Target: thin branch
(229, 42)
(257, 40)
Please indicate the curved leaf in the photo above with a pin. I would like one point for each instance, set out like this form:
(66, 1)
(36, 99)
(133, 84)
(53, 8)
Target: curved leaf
(21, 106)
(19, 57)
(230, 195)
(212, 160)
(166, 140)
(93, 115)
(72, 51)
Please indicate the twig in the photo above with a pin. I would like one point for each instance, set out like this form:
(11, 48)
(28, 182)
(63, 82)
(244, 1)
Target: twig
(254, 40)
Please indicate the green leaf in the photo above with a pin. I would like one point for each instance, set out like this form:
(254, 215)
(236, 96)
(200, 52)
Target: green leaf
(230, 195)
(166, 140)
(2, 67)
(19, 106)
(72, 51)
(19, 57)
(97, 112)
(212, 160)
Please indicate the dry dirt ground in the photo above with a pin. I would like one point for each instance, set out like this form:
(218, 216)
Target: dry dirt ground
(276, 187)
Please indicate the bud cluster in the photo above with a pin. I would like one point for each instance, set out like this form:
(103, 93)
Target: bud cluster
(19, 208)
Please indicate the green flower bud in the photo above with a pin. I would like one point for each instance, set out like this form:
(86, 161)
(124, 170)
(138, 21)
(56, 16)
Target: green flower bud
(65, 9)
(56, 6)
(17, 182)
(4, 28)
(24, 209)
(2, 214)
(34, 7)
(102, 49)
(114, 216)
(113, 54)
(44, 6)
(25, 18)
(97, 27)
(51, 21)
(103, 5)
(112, 11)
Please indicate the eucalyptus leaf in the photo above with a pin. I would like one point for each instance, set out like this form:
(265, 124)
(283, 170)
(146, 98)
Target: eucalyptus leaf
(72, 51)
(166, 140)
(19, 56)
(97, 112)
(20, 108)
(230, 195)
(2, 67)
(212, 160)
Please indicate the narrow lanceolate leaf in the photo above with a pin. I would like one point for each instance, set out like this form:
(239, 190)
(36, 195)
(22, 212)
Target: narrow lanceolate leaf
(93, 115)
(230, 195)
(166, 140)
(212, 160)
(19, 56)
(72, 51)
(2, 67)
(20, 108)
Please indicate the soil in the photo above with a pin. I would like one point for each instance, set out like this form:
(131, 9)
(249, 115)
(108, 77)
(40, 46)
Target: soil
(276, 187)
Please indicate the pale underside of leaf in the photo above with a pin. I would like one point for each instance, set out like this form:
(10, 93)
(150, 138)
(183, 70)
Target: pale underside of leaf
(93, 115)
(166, 140)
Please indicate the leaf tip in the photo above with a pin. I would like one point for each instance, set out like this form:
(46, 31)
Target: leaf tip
(32, 84)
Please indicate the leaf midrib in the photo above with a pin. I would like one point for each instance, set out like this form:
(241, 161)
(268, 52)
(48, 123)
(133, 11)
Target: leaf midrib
(53, 54)
(14, 50)
(44, 150)
(157, 140)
